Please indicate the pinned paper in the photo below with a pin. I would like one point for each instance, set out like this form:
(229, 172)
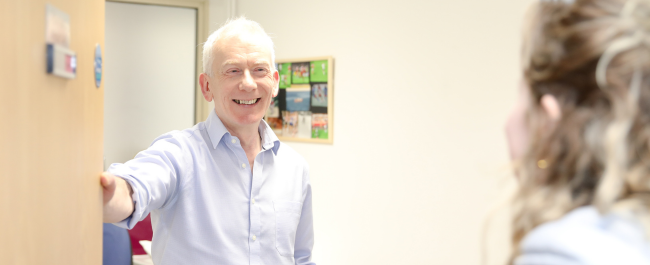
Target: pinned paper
(319, 95)
(304, 124)
(57, 27)
(298, 98)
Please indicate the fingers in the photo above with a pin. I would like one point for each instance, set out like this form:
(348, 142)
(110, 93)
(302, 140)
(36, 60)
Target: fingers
(118, 204)
(108, 185)
(107, 180)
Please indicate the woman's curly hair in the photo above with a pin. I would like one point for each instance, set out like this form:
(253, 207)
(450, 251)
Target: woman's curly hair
(593, 56)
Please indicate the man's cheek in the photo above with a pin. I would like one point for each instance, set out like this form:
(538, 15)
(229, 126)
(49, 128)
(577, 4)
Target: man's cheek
(270, 86)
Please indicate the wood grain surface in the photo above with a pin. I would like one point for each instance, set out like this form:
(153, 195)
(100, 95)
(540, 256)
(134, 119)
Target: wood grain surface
(50, 139)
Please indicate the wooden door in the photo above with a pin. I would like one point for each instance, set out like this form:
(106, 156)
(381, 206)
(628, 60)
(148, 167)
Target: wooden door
(50, 138)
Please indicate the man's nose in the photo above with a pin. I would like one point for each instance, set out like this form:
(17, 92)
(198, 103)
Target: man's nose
(247, 84)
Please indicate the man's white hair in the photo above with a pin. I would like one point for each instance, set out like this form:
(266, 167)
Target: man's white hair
(234, 27)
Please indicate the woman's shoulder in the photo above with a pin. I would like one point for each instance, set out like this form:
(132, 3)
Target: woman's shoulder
(584, 236)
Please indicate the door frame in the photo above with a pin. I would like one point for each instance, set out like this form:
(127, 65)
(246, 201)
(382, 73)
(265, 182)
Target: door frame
(202, 21)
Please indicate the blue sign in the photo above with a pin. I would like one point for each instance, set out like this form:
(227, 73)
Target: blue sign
(98, 65)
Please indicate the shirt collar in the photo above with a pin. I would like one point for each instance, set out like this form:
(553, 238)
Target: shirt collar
(216, 131)
(269, 139)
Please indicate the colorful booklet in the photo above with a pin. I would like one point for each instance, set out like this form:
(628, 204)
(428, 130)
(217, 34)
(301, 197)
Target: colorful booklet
(289, 123)
(318, 71)
(298, 98)
(319, 95)
(300, 73)
(304, 124)
(319, 128)
(284, 70)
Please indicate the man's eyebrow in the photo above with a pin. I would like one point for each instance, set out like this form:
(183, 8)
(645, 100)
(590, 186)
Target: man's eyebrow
(229, 62)
(262, 61)
(234, 62)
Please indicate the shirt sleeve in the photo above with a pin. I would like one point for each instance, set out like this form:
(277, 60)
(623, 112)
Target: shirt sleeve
(305, 232)
(155, 175)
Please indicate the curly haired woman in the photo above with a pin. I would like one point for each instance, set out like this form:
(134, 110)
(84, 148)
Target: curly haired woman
(580, 135)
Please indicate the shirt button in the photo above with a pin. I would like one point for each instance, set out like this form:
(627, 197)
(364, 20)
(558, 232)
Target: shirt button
(243, 165)
(254, 238)
(234, 141)
(253, 201)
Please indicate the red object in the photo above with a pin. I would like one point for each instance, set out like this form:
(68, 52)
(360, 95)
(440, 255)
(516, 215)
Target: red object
(141, 231)
(68, 65)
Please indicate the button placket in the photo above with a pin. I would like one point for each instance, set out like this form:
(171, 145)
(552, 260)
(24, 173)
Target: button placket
(255, 211)
(239, 152)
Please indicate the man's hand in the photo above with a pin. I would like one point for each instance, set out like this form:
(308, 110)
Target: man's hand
(118, 204)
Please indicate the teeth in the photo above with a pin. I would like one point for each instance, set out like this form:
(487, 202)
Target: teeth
(245, 102)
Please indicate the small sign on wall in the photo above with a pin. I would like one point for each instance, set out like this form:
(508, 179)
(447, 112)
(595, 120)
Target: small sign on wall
(60, 60)
(57, 27)
(98, 65)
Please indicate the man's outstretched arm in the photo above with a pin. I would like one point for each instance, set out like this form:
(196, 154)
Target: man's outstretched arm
(118, 204)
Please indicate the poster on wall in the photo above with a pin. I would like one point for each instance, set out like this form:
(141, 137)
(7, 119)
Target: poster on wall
(319, 126)
(318, 71)
(289, 123)
(284, 70)
(304, 124)
(319, 95)
(303, 110)
(298, 99)
(300, 73)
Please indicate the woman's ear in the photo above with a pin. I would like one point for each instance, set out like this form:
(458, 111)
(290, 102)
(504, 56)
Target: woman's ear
(551, 106)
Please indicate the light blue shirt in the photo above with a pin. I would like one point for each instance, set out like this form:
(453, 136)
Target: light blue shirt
(585, 237)
(208, 208)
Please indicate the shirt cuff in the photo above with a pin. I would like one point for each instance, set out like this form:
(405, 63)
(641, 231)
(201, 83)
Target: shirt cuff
(123, 172)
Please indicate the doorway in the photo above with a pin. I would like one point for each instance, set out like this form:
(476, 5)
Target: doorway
(151, 69)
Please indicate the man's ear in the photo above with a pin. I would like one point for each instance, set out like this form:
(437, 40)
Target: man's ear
(551, 106)
(276, 88)
(204, 80)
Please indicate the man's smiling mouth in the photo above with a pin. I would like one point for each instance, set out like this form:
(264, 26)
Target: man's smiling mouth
(246, 102)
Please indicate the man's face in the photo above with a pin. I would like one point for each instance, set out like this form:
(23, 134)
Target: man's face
(243, 81)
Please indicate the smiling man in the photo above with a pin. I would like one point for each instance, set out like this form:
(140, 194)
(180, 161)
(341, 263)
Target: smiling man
(225, 191)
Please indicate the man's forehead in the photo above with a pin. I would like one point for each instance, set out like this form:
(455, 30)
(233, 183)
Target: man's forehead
(235, 50)
(245, 41)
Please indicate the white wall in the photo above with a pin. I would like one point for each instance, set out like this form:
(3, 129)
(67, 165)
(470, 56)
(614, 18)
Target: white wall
(422, 90)
(149, 76)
